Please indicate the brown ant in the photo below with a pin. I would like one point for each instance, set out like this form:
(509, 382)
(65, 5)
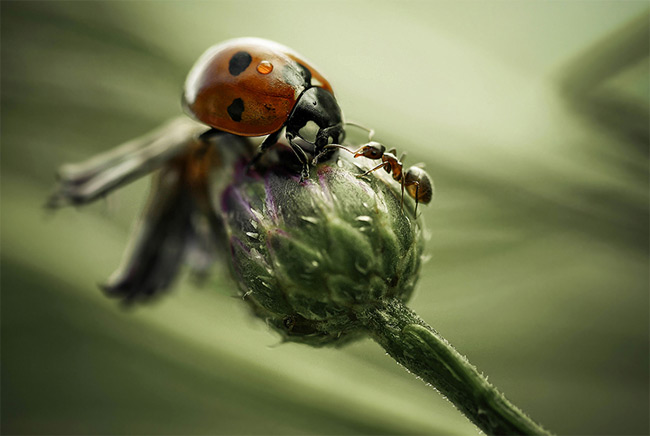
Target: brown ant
(415, 179)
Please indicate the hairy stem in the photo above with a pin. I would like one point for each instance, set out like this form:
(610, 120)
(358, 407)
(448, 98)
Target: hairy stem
(421, 350)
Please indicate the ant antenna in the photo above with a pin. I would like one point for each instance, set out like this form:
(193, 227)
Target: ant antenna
(338, 146)
(371, 132)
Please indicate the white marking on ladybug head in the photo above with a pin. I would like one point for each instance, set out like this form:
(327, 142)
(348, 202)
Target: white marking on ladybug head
(309, 131)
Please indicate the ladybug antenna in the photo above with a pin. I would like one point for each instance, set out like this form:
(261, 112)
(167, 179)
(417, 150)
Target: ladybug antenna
(371, 132)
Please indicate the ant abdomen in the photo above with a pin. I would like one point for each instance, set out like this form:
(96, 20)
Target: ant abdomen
(418, 185)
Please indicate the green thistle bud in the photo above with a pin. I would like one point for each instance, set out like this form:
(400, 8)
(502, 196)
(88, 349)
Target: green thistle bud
(311, 256)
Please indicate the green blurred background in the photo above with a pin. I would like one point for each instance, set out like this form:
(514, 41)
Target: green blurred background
(532, 118)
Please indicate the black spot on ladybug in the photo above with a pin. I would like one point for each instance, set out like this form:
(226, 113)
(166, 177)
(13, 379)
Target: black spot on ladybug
(235, 109)
(239, 62)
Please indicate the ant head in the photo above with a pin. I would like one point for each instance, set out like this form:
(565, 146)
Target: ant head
(372, 150)
(418, 185)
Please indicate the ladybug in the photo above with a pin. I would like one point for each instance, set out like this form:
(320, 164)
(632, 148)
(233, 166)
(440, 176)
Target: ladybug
(256, 87)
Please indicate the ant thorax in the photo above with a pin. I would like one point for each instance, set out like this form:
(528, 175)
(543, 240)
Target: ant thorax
(393, 165)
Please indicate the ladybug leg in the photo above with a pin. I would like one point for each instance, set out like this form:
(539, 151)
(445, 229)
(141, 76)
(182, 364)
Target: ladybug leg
(87, 181)
(335, 132)
(325, 152)
(328, 149)
(270, 141)
(302, 157)
(209, 135)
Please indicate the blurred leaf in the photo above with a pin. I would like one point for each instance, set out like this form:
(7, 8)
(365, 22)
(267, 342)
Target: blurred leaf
(539, 269)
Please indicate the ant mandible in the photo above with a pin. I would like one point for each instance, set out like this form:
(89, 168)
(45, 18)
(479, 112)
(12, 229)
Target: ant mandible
(415, 179)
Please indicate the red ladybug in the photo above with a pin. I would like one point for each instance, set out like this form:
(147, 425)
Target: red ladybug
(256, 87)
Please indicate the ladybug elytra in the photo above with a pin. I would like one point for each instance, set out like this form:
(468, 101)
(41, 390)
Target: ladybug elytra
(256, 87)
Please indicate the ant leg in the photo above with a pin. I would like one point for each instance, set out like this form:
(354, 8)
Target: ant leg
(208, 135)
(381, 165)
(415, 196)
(270, 140)
(401, 203)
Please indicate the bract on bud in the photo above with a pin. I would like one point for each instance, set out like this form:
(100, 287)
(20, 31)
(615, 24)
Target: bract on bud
(309, 257)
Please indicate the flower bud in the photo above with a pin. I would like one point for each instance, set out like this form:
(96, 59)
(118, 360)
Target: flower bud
(309, 257)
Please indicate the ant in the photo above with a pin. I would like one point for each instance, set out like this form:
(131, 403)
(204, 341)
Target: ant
(415, 179)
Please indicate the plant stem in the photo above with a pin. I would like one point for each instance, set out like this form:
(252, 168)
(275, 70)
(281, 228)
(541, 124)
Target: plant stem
(422, 351)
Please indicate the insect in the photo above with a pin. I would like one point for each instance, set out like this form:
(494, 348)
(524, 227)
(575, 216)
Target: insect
(242, 88)
(256, 87)
(415, 180)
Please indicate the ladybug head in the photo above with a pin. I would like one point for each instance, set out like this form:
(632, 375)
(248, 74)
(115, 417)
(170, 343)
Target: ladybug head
(316, 109)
